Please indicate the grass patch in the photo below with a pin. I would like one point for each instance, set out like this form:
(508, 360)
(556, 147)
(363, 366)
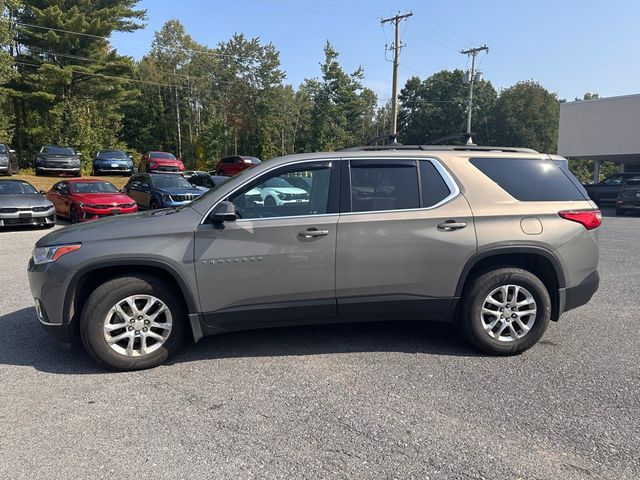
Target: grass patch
(46, 182)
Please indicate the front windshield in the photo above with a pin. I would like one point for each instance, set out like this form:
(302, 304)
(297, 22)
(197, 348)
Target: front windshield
(219, 184)
(16, 188)
(57, 150)
(277, 182)
(93, 187)
(167, 156)
(113, 154)
(170, 181)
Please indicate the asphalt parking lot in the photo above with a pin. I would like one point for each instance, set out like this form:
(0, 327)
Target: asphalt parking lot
(347, 401)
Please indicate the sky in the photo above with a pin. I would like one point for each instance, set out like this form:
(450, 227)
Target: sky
(569, 46)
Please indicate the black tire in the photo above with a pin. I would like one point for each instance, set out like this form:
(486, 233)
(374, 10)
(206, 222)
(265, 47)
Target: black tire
(474, 299)
(269, 202)
(153, 204)
(38, 172)
(73, 214)
(103, 298)
(620, 211)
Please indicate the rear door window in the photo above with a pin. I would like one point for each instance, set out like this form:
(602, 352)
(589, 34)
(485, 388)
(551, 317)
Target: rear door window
(531, 179)
(384, 185)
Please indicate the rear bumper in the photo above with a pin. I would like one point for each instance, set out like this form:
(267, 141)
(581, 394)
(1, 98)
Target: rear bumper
(574, 297)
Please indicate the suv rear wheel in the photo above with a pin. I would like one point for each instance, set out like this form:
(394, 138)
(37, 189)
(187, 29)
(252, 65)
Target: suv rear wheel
(506, 311)
(132, 322)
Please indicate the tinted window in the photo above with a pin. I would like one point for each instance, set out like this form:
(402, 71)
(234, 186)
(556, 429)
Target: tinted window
(57, 150)
(434, 188)
(383, 186)
(170, 181)
(16, 188)
(93, 187)
(274, 196)
(530, 180)
(113, 154)
(616, 180)
(164, 155)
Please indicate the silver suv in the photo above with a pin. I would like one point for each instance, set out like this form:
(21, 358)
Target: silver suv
(499, 240)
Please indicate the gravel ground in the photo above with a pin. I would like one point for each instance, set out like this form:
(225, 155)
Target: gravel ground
(346, 401)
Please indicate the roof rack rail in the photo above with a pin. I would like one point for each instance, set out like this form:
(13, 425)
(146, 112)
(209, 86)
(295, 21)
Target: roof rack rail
(456, 148)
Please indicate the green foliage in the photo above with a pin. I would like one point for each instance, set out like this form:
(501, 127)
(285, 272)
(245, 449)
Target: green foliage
(527, 115)
(437, 106)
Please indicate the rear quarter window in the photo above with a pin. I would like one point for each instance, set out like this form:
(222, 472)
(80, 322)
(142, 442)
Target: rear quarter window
(531, 179)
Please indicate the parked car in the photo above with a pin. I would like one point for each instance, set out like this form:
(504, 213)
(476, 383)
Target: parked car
(204, 180)
(54, 159)
(8, 160)
(113, 161)
(629, 197)
(161, 162)
(279, 191)
(21, 204)
(161, 190)
(229, 166)
(81, 200)
(606, 191)
(439, 233)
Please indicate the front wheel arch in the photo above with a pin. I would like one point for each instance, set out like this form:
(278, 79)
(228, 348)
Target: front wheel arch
(86, 280)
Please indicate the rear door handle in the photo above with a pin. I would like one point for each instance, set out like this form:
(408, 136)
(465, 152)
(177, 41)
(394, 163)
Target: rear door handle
(313, 233)
(450, 225)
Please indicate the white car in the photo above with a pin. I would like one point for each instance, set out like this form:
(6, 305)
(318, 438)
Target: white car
(277, 191)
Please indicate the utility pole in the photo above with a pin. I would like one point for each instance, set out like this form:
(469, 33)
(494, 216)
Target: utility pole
(396, 62)
(472, 52)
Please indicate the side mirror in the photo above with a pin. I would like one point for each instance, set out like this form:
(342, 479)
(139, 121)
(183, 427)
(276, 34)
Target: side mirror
(79, 154)
(42, 192)
(12, 151)
(224, 212)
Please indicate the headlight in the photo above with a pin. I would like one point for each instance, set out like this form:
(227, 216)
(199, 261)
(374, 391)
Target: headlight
(75, 162)
(281, 195)
(4, 160)
(42, 255)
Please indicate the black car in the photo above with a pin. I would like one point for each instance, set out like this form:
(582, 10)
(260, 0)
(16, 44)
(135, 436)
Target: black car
(160, 190)
(54, 159)
(629, 195)
(204, 180)
(21, 205)
(113, 162)
(8, 161)
(607, 190)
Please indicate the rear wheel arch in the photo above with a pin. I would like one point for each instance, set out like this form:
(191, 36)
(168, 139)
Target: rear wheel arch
(537, 260)
(86, 280)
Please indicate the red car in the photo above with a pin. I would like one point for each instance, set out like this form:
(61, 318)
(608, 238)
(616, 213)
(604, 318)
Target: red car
(161, 162)
(82, 199)
(229, 166)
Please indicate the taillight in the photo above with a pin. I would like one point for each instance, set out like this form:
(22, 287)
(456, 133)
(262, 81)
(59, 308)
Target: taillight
(590, 219)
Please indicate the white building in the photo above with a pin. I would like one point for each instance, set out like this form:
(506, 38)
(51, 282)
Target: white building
(606, 129)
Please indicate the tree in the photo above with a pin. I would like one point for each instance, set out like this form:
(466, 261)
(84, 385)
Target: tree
(527, 115)
(69, 84)
(343, 109)
(436, 107)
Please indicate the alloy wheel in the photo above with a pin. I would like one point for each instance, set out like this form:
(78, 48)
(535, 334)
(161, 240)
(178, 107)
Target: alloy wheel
(137, 325)
(508, 313)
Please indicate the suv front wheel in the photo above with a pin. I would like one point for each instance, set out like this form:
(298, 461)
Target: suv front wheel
(132, 322)
(505, 311)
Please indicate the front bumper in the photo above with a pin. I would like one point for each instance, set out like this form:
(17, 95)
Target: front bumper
(22, 217)
(48, 285)
(628, 204)
(87, 214)
(109, 168)
(58, 168)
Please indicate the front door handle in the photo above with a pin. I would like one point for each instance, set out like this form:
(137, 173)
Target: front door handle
(450, 225)
(313, 233)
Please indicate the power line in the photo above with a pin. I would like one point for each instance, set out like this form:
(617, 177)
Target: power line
(111, 39)
(102, 75)
(466, 40)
